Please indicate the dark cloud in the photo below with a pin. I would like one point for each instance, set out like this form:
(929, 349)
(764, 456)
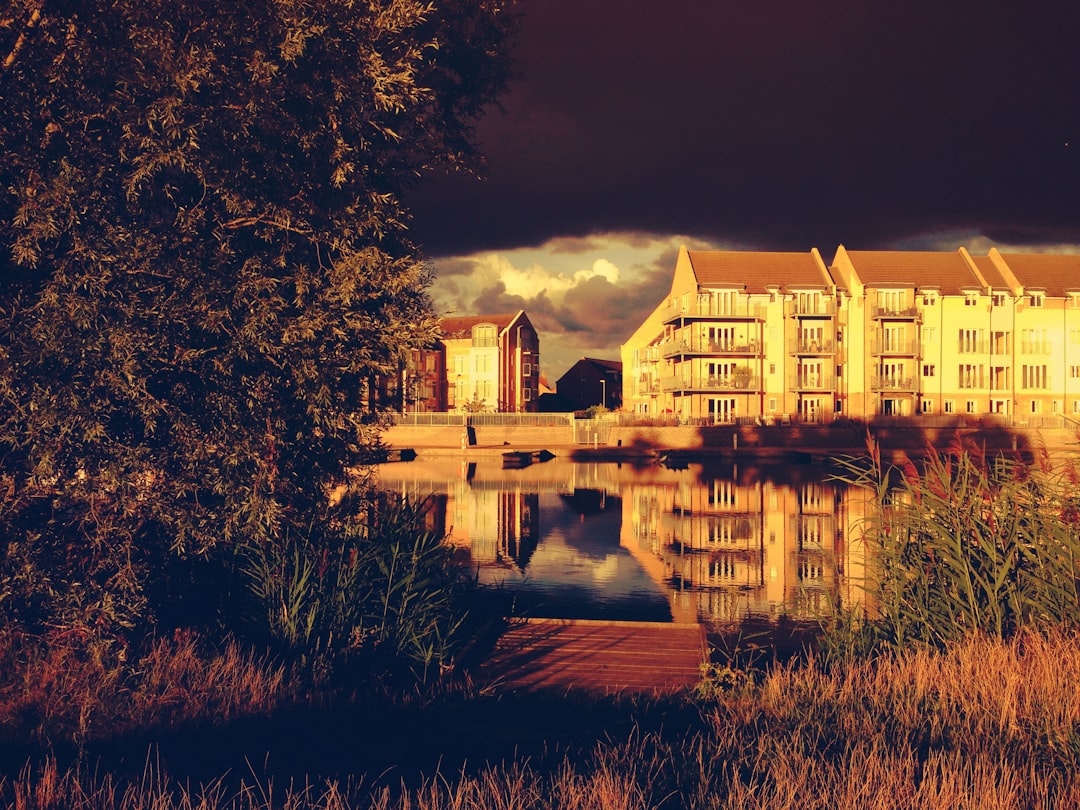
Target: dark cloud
(778, 124)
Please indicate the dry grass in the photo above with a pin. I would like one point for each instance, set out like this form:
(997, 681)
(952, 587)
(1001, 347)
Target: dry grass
(982, 724)
(74, 689)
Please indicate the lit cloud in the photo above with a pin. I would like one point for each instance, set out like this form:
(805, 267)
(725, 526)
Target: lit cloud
(584, 295)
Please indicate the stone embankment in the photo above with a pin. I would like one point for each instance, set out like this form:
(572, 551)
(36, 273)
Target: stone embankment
(838, 438)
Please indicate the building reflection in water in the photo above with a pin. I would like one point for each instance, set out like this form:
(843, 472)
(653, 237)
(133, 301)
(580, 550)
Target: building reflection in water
(599, 540)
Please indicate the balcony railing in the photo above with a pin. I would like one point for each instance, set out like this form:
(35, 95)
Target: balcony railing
(800, 346)
(731, 382)
(812, 382)
(896, 312)
(815, 307)
(903, 347)
(890, 383)
(741, 311)
(673, 348)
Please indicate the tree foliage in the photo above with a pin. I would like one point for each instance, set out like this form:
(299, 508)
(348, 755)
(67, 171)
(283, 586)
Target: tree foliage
(205, 267)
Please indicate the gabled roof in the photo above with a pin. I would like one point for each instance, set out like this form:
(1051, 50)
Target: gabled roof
(1056, 273)
(602, 367)
(991, 273)
(609, 365)
(461, 327)
(947, 272)
(755, 272)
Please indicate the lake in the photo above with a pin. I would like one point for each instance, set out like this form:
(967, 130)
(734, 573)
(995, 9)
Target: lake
(603, 540)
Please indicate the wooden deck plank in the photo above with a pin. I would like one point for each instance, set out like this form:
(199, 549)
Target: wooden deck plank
(600, 657)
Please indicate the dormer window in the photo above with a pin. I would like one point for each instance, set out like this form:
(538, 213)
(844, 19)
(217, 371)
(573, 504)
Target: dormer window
(971, 299)
(1037, 299)
(929, 298)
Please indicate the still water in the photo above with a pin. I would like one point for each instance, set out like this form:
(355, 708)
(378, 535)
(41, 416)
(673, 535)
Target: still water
(647, 543)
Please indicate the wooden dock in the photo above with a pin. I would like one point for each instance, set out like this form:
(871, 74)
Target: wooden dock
(595, 656)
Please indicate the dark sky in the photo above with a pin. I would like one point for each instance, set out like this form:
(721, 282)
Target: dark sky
(778, 125)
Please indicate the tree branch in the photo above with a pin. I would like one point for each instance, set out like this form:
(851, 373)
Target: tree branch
(35, 18)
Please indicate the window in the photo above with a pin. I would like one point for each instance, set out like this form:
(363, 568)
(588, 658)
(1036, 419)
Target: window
(971, 376)
(929, 334)
(772, 368)
(927, 406)
(1074, 372)
(929, 370)
(526, 369)
(971, 341)
(483, 336)
(528, 394)
(483, 364)
(1033, 377)
(971, 299)
(1034, 341)
(969, 406)
(1037, 299)
(929, 299)
(948, 406)
(1000, 299)
(772, 403)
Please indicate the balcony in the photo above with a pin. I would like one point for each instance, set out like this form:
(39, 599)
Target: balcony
(713, 312)
(704, 385)
(800, 346)
(896, 312)
(894, 383)
(823, 307)
(702, 347)
(812, 382)
(894, 347)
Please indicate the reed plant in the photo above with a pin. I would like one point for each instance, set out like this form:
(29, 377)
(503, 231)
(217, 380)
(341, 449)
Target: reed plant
(963, 543)
(388, 591)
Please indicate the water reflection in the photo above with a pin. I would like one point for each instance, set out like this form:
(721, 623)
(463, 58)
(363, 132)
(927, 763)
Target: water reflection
(602, 540)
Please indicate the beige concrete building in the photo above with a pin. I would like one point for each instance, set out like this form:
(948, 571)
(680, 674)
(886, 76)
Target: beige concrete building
(492, 363)
(749, 336)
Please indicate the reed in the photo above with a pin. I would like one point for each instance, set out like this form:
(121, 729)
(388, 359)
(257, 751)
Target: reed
(963, 543)
(389, 592)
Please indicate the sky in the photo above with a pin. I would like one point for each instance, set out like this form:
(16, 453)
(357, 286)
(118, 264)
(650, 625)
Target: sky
(635, 127)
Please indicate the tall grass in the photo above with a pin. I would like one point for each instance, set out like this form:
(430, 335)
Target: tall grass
(59, 692)
(982, 723)
(964, 543)
(388, 592)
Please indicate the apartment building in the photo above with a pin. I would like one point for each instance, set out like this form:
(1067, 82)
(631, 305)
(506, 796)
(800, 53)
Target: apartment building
(782, 336)
(491, 363)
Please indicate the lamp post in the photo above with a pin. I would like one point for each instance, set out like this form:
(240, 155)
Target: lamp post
(603, 393)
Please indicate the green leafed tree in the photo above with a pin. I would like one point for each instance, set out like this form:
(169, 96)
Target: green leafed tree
(205, 268)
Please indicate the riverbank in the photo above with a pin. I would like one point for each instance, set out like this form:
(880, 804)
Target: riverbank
(783, 443)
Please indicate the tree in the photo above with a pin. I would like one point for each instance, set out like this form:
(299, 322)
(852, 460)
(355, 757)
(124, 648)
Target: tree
(205, 266)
